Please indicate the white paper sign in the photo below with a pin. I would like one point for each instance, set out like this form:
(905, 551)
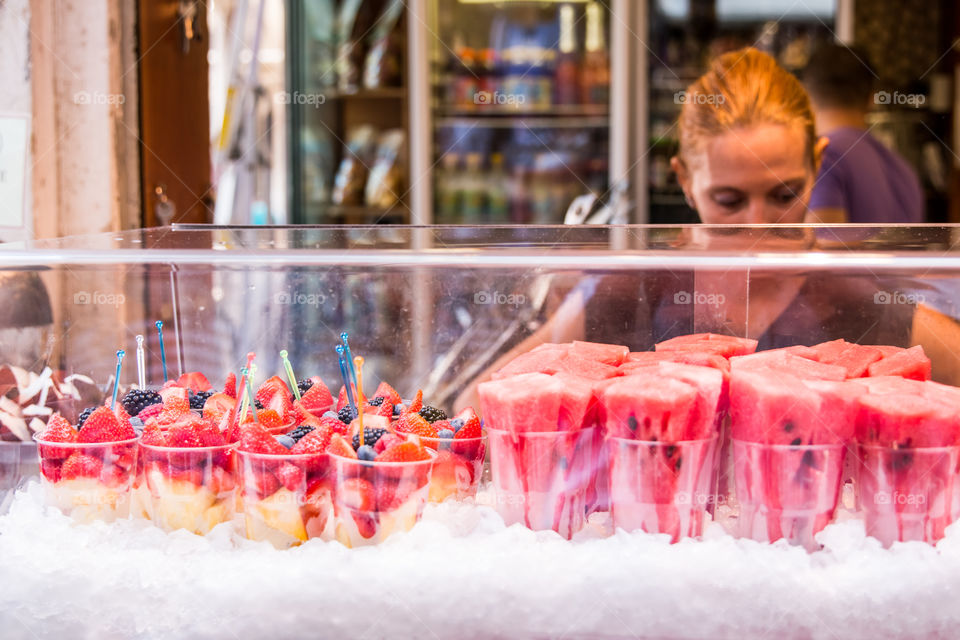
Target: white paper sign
(14, 145)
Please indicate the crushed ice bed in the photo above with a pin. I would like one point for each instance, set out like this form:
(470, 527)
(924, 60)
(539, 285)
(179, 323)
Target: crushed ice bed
(460, 573)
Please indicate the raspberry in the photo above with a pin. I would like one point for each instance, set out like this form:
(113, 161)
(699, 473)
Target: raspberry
(387, 441)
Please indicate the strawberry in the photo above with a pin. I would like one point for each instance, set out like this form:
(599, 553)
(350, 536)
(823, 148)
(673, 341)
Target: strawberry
(121, 413)
(317, 399)
(268, 419)
(221, 480)
(58, 430)
(385, 409)
(340, 447)
(417, 403)
(218, 404)
(388, 393)
(171, 389)
(403, 452)
(51, 469)
(470, 421)
(387, 441)
(274, 395)
(256, 439)
(230, 387)
(357, 494)
(153, 436)
(416, 424)
(174, 408)
(150, 411)
(440, 425)
(194, 380)
(342, 399)
(265, 483)
(103, 426)
(209, 434)
(290, 476)
(316, 441)
(184, 434)
(335, 425)
(391, 494)
(80, 465)
(303, 417)
(184, 472)
(469, 430)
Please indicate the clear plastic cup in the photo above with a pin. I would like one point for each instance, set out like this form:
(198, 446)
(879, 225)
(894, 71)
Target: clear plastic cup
(10, 472)
(88, 481)
(190, 488)
(286, 499)
(786, 491)
(373, 500)
(542, 479)
(907, 494)
(662, 487)
(457, 468)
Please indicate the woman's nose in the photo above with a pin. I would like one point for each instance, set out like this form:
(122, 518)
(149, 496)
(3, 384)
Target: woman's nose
(758, 212)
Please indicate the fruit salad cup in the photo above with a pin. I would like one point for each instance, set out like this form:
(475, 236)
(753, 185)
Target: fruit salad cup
(907, 493)
(542, 479)
(787, 491)
(189, 471)
(457, 468)
(661, 487)
(286, 498)
(374, 499)
(88, 474)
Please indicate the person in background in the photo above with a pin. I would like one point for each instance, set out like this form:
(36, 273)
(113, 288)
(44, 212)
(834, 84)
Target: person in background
(860, 180)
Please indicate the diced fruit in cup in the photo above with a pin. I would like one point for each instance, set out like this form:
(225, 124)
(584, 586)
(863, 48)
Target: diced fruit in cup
(104, 426)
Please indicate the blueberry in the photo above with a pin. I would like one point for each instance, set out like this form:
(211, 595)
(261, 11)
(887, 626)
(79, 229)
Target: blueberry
(366, 453)
(286, 441)
(331, 414)
(445, 433)
(457, 424)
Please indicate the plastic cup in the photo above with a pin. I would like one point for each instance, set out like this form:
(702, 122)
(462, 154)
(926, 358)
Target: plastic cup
(457, 468)
(907, 494)
(542, 479)
(286, 499)
(88, 481)
(786, 491)
(10, 472)
(662, 487)
(373, 500)
(190, 488)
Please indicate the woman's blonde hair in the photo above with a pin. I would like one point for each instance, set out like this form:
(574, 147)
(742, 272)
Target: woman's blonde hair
(744, 88)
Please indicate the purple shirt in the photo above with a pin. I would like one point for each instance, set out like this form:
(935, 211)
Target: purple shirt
(867, 180)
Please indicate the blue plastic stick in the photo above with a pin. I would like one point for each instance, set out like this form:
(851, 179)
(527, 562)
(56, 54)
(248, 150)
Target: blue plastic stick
(116, 380)
(349, 357)
(163, 353)
(346, 378)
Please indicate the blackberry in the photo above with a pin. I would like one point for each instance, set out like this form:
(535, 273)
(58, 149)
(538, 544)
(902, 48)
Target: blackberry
(299, 432)
(257, 404)
(347, 414)
(376, 402)
(304, 385)
(84, 415)
(135, 400)
(197, 400)
(432, 414)
(370, 436)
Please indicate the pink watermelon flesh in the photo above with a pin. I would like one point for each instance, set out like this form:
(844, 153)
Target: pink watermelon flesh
(882, 385)
(854, 358)
(544, 361)
(828, 352)
(709, 384)
(780, 359)
(551, 346)
(585, 368)
(647, 407)
(523, 403)
(577, 402)
(726, 346)
(911, 363)
(887, 350)
(907, 421)
(612, 354)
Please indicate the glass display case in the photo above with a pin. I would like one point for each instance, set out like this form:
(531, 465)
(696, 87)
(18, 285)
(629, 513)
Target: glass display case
(440, 309)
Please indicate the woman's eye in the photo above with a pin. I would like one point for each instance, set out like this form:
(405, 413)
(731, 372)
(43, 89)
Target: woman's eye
(728, 202)
(785, 197)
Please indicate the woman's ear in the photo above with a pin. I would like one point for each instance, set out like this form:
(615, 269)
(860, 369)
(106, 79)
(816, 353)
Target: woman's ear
(683, 178)
(818, 148)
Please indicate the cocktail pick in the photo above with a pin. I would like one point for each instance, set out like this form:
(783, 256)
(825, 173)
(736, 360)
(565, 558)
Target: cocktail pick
(141, 364)
(116, 380)
(345, 374)
(163, 353)
(345, 337)
(250, 399)
(292, 378)
(358, 363)
(241, 390)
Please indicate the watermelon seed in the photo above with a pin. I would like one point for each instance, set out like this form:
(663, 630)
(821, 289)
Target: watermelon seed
(632, 423)
(676, 465)
(796, 442)
(788, 426)
(670, 450)
(901, 460)
(810, 460)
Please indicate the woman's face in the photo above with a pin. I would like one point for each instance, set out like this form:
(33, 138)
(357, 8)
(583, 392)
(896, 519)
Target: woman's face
(751, 175)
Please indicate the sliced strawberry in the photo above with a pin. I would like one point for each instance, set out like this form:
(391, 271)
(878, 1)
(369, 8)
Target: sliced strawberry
(268, 418)
(416, 424)
(304, 417)
(274, 395)
(403, 452)
(121, 413)
(172, 390)
(316, 441)
(218, 404)
(469, 431)
(417, 403)
(103, 426)
(317, 400)
(51, 469)
(357, 494)
(80, 465)
(256, 439)
(151, 411)
(184, 434)
(340, 447)
(58, 430)
(230, 386)
(342, 399)
(388, 393)
(153, 436)
(265, 484)
(470, 421)
(209, 434)
(290, 476)
(387, 441)
(335, 425)
(385, 409)
(194, 380)
(174, 408)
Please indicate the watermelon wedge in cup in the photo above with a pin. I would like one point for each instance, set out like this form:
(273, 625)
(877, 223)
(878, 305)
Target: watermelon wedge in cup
(660, 425)
(908, 446)
(790, 436)
(543, 448)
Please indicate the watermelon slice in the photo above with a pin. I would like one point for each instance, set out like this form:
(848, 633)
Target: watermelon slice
(906, 421)
(578, 404)
(787, 362)
(910, 363)
(854, 358)
(612, 354)
(522, 403)
(648, 407)
(547, 361)
(710, 386)
(726, 346)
